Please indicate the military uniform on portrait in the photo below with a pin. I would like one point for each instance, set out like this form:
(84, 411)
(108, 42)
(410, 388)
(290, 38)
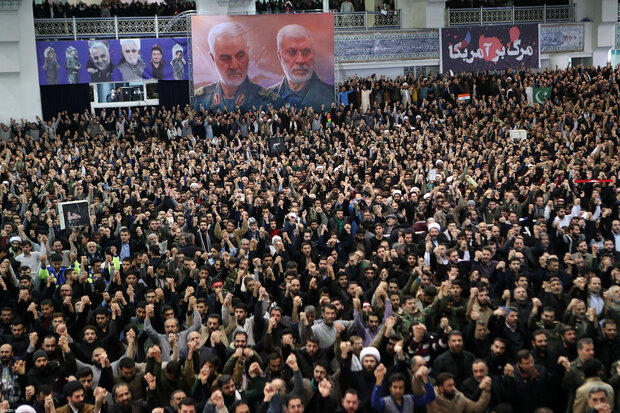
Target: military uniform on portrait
(248, 95)
(315, 93)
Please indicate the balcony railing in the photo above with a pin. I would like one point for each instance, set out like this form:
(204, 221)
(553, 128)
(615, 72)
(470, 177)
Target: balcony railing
(10, 4)
(511, 15)
(156, 26)
(110, 28)
(365, 20)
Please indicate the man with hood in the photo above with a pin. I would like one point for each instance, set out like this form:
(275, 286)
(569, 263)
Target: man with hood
(44, 371)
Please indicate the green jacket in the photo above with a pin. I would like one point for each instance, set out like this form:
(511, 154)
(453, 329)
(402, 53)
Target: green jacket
(165, 386)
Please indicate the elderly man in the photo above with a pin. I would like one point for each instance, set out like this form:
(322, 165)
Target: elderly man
(300, 87)
(229, 51)
(99, 65)
(131, 65)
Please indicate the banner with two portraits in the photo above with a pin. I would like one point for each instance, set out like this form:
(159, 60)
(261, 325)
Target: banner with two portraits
(94, 61)
(245, 62)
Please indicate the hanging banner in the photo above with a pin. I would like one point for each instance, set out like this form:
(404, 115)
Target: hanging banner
(469, 49)
(93, 61)
(241, 62)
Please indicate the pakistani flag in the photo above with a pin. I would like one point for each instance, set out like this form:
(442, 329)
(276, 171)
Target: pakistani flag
(539, 94)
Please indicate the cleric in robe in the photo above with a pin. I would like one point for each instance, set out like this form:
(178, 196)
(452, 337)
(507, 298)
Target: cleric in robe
(228, 48)
(300, 87)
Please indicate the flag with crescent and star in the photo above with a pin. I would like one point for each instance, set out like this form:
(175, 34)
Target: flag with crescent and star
(541, 94)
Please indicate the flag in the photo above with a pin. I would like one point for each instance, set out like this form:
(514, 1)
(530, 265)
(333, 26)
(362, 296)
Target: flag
(465, 97)
(539, 94)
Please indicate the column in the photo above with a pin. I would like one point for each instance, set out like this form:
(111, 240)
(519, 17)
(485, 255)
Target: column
(418, 14)
(19, 77)
(226, 7)
(604, 17)
(560, 60)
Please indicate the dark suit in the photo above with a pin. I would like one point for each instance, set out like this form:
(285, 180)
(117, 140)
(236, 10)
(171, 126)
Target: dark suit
(136, 406)
(134, 246)
(500, 390)
(457, 364)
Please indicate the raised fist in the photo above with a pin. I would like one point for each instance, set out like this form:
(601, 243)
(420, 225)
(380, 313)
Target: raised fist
(150, 310)
(255, 369)
(269, 391)
(291, 361)
(325, 388)
(380, 372)
(485, 384)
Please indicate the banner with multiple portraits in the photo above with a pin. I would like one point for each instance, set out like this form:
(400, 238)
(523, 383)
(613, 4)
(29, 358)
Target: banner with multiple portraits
(241, 62)
(469, 49)
(93, 61)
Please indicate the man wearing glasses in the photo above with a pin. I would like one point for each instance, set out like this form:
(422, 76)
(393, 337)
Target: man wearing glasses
(300, 87)
(131, 65)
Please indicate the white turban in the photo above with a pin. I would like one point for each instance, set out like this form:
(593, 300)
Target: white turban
(370, 351)
(434, 225)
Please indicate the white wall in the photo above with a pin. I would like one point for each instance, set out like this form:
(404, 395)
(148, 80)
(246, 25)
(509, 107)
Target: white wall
(19, 80)
(216, 7)
(389, 69)
(344, 72)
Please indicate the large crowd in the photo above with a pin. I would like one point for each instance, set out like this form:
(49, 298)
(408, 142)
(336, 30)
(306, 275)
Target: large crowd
(110, 8)
(137, 8)
(404, 253)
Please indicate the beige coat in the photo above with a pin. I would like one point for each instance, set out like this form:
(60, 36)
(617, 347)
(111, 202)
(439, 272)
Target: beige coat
(581, 396)
(459, 404)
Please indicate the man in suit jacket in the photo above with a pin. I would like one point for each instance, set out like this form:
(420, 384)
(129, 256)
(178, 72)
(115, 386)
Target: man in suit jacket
(592, 369)
(126, 246)
(74, 392)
